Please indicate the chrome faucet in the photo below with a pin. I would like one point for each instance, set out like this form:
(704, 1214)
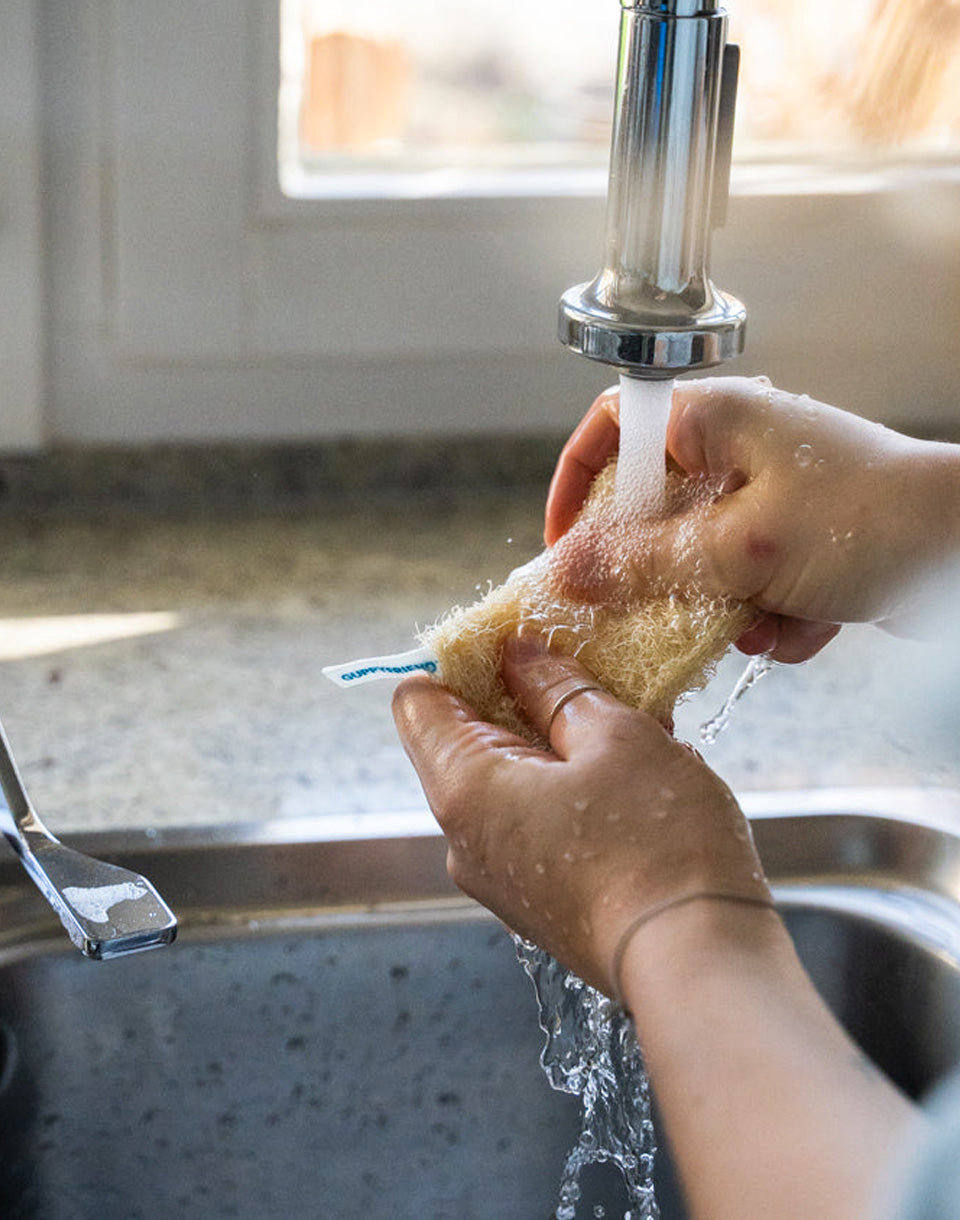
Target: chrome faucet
(107, 911)
(651, 309)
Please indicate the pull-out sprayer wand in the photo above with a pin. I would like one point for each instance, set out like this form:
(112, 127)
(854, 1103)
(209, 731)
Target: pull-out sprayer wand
(651, 310)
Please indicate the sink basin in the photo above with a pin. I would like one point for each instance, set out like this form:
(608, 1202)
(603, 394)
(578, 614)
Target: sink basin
(338, 1034)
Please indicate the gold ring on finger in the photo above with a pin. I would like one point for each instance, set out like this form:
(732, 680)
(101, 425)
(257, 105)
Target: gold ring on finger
(567, 696)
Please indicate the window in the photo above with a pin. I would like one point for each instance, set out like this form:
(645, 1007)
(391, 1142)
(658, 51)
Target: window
(861, 76)
(421, 97)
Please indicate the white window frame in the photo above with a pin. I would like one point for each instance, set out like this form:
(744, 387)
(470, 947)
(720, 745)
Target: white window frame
(179, 296)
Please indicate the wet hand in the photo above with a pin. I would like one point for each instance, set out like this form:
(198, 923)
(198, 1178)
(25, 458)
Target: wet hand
(569, 845)
(816, 517)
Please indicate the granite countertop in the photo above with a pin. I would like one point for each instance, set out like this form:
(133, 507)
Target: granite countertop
(161, 670)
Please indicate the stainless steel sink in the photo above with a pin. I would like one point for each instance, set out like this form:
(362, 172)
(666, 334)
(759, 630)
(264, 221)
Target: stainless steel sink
(337, 1034)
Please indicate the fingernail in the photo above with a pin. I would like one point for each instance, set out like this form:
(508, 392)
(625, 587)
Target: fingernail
(525, 646)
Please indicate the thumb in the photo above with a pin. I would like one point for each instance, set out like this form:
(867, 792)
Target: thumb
(719, 548)
(714, 426)
(563, 701)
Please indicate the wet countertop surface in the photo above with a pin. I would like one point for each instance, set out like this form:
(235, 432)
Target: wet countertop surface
(164, 669)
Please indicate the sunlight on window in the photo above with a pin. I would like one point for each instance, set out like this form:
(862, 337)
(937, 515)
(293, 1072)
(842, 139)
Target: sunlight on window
(40, 636)
(445, 92)
(419, 96)
(862, 76)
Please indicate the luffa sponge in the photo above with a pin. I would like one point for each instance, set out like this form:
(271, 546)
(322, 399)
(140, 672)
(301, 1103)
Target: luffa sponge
(649, 649)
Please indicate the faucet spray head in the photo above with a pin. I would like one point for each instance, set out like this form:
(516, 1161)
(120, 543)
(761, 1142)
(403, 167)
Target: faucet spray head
(652, 309)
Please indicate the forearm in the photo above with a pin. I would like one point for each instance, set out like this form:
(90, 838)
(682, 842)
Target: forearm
(923, 530)
(771, 1112)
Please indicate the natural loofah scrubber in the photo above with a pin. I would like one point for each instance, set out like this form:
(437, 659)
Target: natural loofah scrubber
(647, 651)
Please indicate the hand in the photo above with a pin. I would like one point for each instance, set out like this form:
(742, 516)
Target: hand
(569, 845)
(819, 517)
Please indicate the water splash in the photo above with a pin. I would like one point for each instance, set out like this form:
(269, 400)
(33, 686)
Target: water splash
(755, 670)
(591, 1051)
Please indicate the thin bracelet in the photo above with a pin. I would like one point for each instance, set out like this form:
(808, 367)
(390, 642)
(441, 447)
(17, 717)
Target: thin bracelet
(668, 904)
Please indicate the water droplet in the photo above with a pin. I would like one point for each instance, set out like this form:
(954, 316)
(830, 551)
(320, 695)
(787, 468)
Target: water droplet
(569, 1192)
(804, 455)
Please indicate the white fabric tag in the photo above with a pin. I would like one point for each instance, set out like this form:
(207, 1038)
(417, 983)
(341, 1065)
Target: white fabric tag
(374, 669)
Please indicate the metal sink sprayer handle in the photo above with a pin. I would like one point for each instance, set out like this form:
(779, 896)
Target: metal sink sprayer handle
(651, 310)
(107, 911)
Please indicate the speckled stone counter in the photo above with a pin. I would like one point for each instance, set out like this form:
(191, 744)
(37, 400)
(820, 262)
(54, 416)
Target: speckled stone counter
(175, 676)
